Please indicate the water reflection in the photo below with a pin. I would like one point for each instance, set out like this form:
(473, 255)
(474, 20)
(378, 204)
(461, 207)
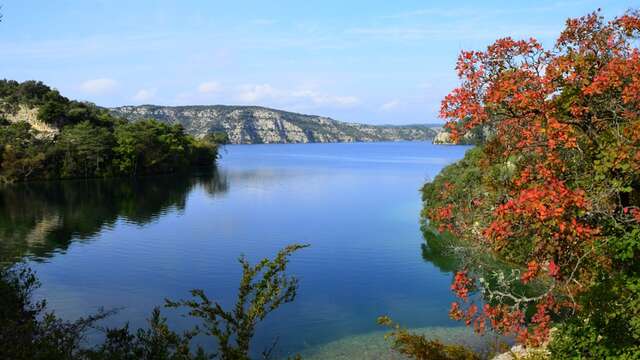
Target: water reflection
(39, 219)
(139, 242)
(436, 250)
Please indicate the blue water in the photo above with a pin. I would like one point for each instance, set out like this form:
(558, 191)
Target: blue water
(130, 244)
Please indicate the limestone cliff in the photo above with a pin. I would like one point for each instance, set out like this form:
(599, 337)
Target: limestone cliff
(30, 115)
(253, 124)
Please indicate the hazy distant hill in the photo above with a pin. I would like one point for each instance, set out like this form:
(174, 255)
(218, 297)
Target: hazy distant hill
(253, 124)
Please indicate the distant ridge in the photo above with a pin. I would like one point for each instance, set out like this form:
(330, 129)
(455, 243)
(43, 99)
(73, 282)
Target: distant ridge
(258, 125)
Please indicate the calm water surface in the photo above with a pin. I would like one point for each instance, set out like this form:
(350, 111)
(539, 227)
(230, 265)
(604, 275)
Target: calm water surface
(131, 243)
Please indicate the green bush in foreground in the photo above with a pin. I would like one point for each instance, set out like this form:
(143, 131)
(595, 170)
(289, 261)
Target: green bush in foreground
(418, 347)
(29, 331)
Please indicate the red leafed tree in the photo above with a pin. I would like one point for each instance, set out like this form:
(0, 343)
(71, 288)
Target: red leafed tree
(564, 136)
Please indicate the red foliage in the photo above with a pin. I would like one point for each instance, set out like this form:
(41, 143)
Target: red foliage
(462, 284)
(543, 107)
(554, 270)
(532, 271)
(443, 216)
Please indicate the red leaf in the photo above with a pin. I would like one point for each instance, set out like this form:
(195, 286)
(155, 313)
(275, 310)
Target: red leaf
(554, 269)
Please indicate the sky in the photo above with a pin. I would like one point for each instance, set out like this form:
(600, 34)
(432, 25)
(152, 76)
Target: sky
(378, 62)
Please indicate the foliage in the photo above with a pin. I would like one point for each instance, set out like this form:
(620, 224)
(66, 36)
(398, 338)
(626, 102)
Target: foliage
(53, 108)
(22, 154)
(420, 348)
(149, 146)
(90, 142)
(28, 331)
(609, 325)
(256, 299)
(217, 137)
(554, 189)
(157, 342)
(86, 149)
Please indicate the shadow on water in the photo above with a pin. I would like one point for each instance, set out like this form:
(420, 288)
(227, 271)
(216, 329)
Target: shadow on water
(41, 218)
(436, 250)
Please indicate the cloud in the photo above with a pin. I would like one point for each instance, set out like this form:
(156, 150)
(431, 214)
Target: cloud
(252, 93)
(390, 105)
(209, 87)
(324, 99)
(145, 95)
(299, 97)
(99, 86)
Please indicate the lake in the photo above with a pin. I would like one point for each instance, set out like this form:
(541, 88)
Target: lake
(131, 243)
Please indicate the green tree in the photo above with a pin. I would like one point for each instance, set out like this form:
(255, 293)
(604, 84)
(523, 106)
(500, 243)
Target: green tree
(91, 142)
(217, 137)
(257, 297)
(86, 150)
(22, 154)
(149, 146)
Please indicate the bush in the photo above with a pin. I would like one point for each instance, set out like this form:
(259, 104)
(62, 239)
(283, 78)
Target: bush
(28, 331)
(420, 348)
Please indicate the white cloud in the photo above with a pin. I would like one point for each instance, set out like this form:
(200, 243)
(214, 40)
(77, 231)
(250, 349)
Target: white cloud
(324, 99)
(302, 97)
(99, 86)
(252, 93)
(209, 87)
(390, 105)
(145, 95)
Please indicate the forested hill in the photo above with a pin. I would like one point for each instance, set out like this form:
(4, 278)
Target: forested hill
(44, 135)
(253, 124)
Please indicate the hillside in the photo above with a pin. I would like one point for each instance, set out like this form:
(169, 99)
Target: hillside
(253, 124)
(44, 135)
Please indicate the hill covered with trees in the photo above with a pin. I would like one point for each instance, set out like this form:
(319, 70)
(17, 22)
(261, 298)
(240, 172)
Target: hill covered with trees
(44, 135)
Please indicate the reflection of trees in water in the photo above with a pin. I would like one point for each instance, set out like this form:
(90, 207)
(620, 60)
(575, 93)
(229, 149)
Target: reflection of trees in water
(450, 255)
(438, 250)
(37, 219)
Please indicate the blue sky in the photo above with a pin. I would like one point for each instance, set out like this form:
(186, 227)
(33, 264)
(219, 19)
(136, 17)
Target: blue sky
(362, 61)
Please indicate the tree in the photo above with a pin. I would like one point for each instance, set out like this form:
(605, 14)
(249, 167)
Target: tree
(22, 154)
(559, 183)
(149, 146)
(217, 137)
(86, 150)
(91, 142)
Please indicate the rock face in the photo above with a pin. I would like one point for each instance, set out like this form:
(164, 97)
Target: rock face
(255, 125)
(443, 137)
(30, 115)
